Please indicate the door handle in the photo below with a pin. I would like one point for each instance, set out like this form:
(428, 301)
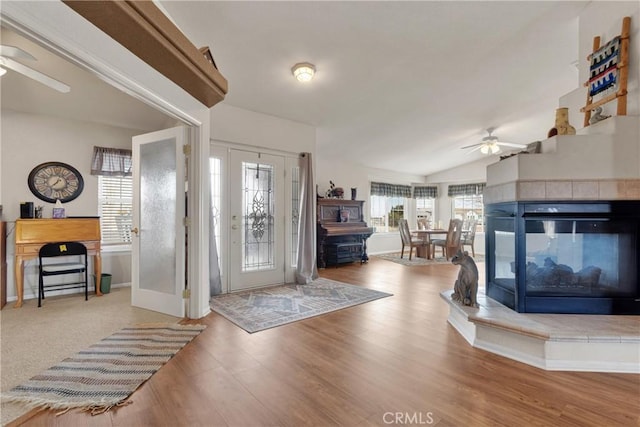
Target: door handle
(135, 230)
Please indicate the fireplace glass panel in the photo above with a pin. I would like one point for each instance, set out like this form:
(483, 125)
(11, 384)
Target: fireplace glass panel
(505, 256)
(580, 257)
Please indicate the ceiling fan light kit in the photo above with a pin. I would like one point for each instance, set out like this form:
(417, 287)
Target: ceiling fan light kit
(491, 144)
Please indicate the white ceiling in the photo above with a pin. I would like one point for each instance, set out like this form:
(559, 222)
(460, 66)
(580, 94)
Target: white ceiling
(90, 99)
(399, 85)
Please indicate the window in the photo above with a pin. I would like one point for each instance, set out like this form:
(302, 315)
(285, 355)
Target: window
(425, 209)
(388, 205)
(468, 208)
(386, 212)
(425, 197)
(115, 193)
(295, 214)
(467, 203)
(115, 203)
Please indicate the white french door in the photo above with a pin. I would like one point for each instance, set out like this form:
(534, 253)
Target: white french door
(158, 247)
(256, 220)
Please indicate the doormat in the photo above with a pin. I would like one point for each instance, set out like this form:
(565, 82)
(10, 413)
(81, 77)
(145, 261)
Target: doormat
(259, 309)
(104, 375)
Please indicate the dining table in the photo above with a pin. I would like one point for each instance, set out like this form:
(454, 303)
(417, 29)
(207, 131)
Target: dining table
(425, 251)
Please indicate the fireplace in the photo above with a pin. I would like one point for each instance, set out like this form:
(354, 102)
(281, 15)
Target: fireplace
(564, 257)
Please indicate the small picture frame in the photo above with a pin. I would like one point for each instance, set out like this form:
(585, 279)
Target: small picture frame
(344, 215)
(58, 213)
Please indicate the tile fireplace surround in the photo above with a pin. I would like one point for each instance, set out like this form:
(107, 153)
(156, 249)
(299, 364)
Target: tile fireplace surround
(575, 212)
(601, 164)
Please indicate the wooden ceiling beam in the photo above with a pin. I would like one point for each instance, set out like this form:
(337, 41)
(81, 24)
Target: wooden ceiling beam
(142, 28)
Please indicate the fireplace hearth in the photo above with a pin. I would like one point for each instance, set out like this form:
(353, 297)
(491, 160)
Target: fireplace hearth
(564, 257)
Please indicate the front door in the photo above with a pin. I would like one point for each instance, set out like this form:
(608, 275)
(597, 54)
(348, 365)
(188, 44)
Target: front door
(257, 220)
(158, 246)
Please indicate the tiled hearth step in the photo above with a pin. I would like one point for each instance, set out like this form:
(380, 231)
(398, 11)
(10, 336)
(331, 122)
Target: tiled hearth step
(560, 342)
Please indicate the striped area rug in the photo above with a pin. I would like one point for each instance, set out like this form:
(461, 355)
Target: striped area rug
(105, 374)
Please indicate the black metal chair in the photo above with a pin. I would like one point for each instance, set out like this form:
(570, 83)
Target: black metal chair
(50, 268)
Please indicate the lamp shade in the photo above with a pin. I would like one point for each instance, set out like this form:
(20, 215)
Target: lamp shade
(303, 71)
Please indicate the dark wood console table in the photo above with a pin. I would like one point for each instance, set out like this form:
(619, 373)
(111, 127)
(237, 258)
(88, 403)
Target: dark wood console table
(342, 232)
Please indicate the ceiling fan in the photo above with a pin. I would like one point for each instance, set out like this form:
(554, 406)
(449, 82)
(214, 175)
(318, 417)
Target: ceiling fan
(7, 55)
(491, 145)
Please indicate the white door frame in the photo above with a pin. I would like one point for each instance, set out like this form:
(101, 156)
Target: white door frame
(49, 24)
(221, 150)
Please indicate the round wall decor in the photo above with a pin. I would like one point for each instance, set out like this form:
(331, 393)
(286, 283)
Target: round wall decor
(53, 181)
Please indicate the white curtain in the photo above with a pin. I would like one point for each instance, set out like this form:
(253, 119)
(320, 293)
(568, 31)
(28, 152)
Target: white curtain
(215, 282)
(306, 270)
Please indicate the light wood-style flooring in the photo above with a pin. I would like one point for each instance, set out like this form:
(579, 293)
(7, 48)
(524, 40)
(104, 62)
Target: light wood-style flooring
(394, 361)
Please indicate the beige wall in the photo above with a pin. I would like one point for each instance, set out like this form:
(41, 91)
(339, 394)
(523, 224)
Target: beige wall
(28, 140)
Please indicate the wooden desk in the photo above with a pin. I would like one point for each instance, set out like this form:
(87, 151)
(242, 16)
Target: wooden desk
(31, 234)
(425, 251)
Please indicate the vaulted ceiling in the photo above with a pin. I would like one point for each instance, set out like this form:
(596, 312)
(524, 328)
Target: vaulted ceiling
(399, 85)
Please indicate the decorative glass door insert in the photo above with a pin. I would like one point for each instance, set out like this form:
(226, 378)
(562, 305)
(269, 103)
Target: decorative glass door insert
(258, 219)
(257, 212)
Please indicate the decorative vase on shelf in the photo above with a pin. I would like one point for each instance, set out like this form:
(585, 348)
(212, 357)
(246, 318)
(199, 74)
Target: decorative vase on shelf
(353, 193)
(562, 126)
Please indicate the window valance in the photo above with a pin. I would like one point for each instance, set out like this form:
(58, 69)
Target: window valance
(111, 162)
(425, 192)
(390, 190)
(467, 189)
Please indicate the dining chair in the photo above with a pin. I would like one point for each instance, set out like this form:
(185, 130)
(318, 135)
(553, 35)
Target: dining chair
(469, 236)
(451, 243)
(49, 267)
(409, 240)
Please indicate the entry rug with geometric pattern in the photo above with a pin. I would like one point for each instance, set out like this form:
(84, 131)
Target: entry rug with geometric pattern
(104, 375)
(260, 309)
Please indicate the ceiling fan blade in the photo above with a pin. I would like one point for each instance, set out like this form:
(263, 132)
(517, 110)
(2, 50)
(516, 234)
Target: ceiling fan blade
(510, 144)
(35, 75)
(15, 52)
(472, 145)
(476, 147)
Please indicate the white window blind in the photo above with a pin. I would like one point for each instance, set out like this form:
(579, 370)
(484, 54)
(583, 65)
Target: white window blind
(115, 199)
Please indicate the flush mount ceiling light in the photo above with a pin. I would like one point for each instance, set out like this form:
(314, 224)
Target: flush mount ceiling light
(303, 71)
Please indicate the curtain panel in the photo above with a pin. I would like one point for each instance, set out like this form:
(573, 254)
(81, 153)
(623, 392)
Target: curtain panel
(390, 190)
(467, 189)
(111, 161)
(306, 268)
(425, 192)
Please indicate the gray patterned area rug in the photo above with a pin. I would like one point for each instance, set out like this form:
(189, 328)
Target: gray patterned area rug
(104, 375)
(260, 309)
(395, 257)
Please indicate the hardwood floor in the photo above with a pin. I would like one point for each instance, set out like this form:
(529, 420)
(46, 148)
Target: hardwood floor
(390, 361)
